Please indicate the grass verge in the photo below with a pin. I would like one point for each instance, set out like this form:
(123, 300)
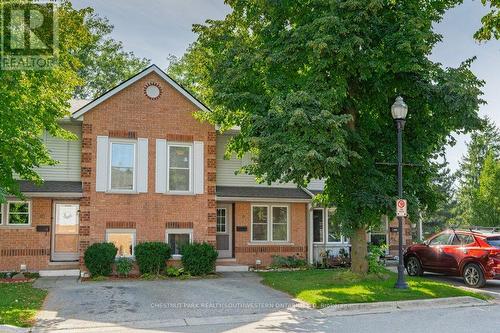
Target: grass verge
(339, 286)
(19, 303)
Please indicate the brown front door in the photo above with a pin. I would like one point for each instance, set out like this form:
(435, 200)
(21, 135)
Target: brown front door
(65, 232)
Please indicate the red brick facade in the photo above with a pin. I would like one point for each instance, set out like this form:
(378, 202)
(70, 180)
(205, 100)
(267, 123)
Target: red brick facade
(247, 252)
(131, 114)
(24, 245)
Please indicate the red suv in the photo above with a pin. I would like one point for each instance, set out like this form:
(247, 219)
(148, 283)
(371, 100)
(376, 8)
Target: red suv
(473, 254)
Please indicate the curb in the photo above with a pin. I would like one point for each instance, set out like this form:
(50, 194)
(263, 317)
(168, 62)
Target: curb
(13, 329)
(383, 307)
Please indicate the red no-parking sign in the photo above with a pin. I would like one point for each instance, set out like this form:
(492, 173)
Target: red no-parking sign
(401, 207)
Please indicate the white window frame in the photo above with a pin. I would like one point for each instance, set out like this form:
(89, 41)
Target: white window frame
(2, 214)
(269, 208)
(323, 214)
(343, 239)
(7, 213)
(186, 145)
(110, 157)
(178, 232)
(133, 232)
(225, 221)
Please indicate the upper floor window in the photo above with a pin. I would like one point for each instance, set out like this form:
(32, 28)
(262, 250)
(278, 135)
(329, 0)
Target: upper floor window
(179, 168)
(18, 213)
(122, 166)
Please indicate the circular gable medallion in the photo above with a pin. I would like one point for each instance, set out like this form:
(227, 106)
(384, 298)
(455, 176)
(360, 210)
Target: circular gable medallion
(152, 90)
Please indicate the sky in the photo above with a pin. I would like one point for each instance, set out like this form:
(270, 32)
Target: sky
(154, 29)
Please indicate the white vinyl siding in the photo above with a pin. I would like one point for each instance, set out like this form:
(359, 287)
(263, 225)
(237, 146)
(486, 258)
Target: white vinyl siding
(226, 170)
(67, 153)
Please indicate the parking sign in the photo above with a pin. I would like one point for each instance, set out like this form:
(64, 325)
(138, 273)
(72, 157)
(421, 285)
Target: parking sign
(401, 208)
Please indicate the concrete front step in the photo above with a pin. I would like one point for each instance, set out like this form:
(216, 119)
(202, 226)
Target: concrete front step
(59, 272)
(231, 268)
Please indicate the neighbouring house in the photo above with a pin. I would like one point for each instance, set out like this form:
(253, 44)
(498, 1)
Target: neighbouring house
(144, 169)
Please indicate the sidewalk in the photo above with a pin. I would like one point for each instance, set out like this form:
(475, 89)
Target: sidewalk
(294, 315)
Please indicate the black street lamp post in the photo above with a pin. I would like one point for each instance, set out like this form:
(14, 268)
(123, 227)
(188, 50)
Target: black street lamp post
(399, 110)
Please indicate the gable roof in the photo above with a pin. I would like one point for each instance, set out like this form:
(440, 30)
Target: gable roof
(151, 69)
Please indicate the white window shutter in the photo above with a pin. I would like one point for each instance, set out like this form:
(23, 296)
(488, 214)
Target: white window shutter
(199, 163)
(161, 166)
(102, 157)
(142, 165)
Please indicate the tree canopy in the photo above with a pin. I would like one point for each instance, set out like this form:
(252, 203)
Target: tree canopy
(490, 22)
(483, 141)
(486, 201)
(33, 101)
(311, 83)
(104, 62)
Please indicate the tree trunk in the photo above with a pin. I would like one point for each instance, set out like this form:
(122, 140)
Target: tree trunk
(359, 252)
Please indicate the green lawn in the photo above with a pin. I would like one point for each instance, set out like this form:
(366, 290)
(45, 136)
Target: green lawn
(19, 303)
(325, 287)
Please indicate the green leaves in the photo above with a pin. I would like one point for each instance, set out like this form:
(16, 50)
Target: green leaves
(490, 22)
(311, 83)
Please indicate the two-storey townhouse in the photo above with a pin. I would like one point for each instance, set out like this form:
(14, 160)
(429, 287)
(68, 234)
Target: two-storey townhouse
(144, 169)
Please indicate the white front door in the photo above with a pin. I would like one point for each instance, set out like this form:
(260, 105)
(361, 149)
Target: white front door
(224, 229)
(65, 232)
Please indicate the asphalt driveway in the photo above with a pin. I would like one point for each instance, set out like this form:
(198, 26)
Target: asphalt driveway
(136, 304)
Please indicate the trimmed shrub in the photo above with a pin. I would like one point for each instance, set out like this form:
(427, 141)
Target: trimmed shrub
(199, 258)
(99, 258)
(124, 266)
(152, 257)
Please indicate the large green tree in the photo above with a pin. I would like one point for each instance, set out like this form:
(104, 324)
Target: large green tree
(485, 139)
(104, 62)
(486, 201)
(31, 101)
(311, 82)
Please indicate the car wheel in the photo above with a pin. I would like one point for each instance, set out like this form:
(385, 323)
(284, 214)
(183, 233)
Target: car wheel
(473, 276)
(413, 267)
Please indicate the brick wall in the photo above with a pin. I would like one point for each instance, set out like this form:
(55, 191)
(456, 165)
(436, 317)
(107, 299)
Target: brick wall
(247, 253)
(24, 245)
(394, 236)
(131, 114)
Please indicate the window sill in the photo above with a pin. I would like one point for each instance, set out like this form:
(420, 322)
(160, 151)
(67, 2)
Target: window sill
(256, 243)
(121, 192)
(11, 226)
(180, 193)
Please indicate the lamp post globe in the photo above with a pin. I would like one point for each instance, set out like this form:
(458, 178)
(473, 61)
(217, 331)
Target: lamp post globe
(399, 111)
